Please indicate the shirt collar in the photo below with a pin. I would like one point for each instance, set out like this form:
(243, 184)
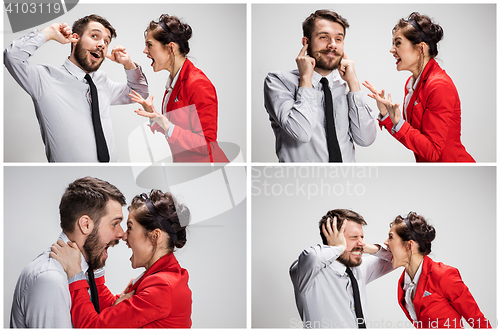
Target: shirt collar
(332, 77)
(84, 264)
(339, 268)
(76, 71)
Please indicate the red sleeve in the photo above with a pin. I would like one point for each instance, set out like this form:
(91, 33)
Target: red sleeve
(202, 118)
(461, 299)
(106, 298)
(387, 123)
(152, 301)
(437, 116)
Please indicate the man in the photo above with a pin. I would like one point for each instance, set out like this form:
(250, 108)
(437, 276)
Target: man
(91, 213)
(313, 123)
(72, 103)
(329, 280)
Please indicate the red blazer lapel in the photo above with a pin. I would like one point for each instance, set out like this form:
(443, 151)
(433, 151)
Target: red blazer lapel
(422, 283)
(186, 67)
(423, 79)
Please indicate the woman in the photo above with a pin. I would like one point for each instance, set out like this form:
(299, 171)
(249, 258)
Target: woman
(432, 295)
(189, 107)
(430, 125)
(160, 297)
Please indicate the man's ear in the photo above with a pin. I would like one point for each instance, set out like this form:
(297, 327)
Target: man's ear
(85, 225)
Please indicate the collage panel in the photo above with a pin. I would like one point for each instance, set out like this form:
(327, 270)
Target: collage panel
(438, 122)
(198, 113)
(298, 282)
(200, 285)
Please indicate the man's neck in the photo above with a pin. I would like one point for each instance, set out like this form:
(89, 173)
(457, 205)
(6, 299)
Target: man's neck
(322, 72)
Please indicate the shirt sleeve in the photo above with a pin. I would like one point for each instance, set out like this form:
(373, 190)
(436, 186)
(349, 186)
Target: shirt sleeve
(136, 80)
(462, 300)
(202, 104)
(294, 111)
(309, 264)
(47, 303)
(377, 265)
(152, 302)
(362, 124)
(16, 56)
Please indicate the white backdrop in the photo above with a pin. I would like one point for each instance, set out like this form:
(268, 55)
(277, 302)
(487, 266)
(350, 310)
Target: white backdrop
(288, 202)
(214, 255)
(224, 63)
(467, 53)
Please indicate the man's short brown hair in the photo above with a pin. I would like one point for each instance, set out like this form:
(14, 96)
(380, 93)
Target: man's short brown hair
(309, 24)
(87, 196)
(342, 215)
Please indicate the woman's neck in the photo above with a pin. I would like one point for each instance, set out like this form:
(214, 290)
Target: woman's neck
(412, 267)
(416, 73)
(178, 62)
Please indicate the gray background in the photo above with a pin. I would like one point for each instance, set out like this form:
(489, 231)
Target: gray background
(215, 253)
(223, 62)
(467, 53)
(460, 202)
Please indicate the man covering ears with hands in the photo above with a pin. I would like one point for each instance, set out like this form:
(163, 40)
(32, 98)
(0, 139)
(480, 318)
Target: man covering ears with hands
(72, 102)
(317, 111)
(330, 280)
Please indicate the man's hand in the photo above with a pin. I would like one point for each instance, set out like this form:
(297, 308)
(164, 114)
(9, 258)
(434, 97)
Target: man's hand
(348, 74)
(333, 237)
(306, 65)
(59, 32)
(119, 55)
(371, 248)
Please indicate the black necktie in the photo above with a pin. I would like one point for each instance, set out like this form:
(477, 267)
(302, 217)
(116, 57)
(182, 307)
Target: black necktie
(100, 140)
(357, 300)
(331, 134)
(94, 296)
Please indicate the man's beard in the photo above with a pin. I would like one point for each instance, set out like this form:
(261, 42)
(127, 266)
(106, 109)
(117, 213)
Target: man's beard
(94, 249)
(322, 63)
(81, 57)
(346, 259)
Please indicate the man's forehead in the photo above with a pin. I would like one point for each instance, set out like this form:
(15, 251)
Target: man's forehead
(98, 27)
(353, 228)
(322, 25)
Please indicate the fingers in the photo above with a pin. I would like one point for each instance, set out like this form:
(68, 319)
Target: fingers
(342, 229)
(345, 56)
(303, 50)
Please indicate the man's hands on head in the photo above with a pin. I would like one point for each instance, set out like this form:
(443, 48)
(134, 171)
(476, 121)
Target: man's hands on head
(334, 237)
(305, 65)
(60, 32)
(119, 55)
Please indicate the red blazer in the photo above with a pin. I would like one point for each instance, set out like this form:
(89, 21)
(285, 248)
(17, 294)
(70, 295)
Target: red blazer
(192, 108)
(433, 119)
(162, 299)
(442, 299)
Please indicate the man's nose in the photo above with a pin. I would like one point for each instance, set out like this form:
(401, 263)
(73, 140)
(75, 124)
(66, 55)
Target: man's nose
(120, 232)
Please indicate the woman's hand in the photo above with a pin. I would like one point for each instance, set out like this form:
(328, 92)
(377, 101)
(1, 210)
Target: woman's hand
(385, 105)
(68, 255)
(371, 248)
(149, 110)
(125, 295)
(333, 237)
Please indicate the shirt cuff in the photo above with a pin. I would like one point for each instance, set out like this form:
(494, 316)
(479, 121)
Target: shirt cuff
(396, 128)
(77, 277)
(384, 254)
(136, 74)
(382, 118)
(99, 273)
(170, 131)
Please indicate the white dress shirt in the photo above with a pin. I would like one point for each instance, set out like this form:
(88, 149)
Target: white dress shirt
(62, 101)
(298, 117)
(323, 290)
(410, 287)
(41, 297)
